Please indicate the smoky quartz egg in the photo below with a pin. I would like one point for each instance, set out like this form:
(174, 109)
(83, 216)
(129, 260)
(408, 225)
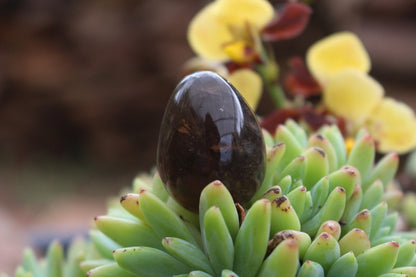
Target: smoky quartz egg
(209, 133)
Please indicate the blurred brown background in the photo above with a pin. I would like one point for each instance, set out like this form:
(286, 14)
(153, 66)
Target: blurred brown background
(83, 85)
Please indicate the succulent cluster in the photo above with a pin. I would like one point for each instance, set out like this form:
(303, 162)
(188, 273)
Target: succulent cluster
(320, 212)
(56, 263)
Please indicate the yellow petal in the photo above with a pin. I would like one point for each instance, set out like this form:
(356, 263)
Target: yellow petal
(349, 144)
(200, 64)
(352, 94)
(335, 53)
(249, 84)
(213, 26)
(393, 125)
(239, 52)
(237, 12)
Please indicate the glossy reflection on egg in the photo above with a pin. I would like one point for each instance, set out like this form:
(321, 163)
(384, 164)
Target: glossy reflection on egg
(209, 133)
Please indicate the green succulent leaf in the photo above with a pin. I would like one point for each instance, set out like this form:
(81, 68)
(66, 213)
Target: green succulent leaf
(55, 260)
(198, 273)
(362, 155)
(217, 240)
(406, 253)
(162, 219)
(30, 264)
(344, 266)
(274, 156)
(251, 241)
(147, 262)
(332, 210)
(378, 260)
(187, 253)
(293, 147)
(384, 170)
(283, 261)
(127, 232)
(216, 194)
(355, 241)
(320, 141)
(311, 269)
(333, 134)
(298, 132)
(283, 216)
(323, 250)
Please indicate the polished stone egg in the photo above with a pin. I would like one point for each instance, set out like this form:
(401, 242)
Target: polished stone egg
(209, 133)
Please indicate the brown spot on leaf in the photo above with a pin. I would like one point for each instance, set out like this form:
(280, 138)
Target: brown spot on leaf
(277, 145)
(275, 190)
(394, 244)
(320, 151)
(123, 198)
(363, 215)
(273, 243)
(288, 235)
(324, 235)
(279, 201)
(350, 170)
(241, 213)
(167, 240)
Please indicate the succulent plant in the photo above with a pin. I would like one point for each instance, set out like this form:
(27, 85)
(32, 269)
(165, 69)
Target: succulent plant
(319, 212)
(55, 263)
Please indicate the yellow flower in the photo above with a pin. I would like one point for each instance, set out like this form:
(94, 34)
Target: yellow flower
(349, 144)
(246, 81)
(393, 125)
(231, 24)
(335, 53)
(249, 84)
(352, 95)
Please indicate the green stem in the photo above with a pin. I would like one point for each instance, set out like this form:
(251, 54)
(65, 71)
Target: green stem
(272, 86)
(269, 72)
(277, 94)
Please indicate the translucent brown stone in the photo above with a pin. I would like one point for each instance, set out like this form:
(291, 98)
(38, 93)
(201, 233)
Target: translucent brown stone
(209, 133)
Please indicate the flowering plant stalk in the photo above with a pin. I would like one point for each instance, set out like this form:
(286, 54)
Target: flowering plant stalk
(235, 42)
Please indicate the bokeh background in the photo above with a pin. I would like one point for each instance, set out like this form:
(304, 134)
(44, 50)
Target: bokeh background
(83, 85)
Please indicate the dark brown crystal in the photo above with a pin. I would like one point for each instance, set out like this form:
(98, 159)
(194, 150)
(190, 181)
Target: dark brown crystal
(209, 133)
